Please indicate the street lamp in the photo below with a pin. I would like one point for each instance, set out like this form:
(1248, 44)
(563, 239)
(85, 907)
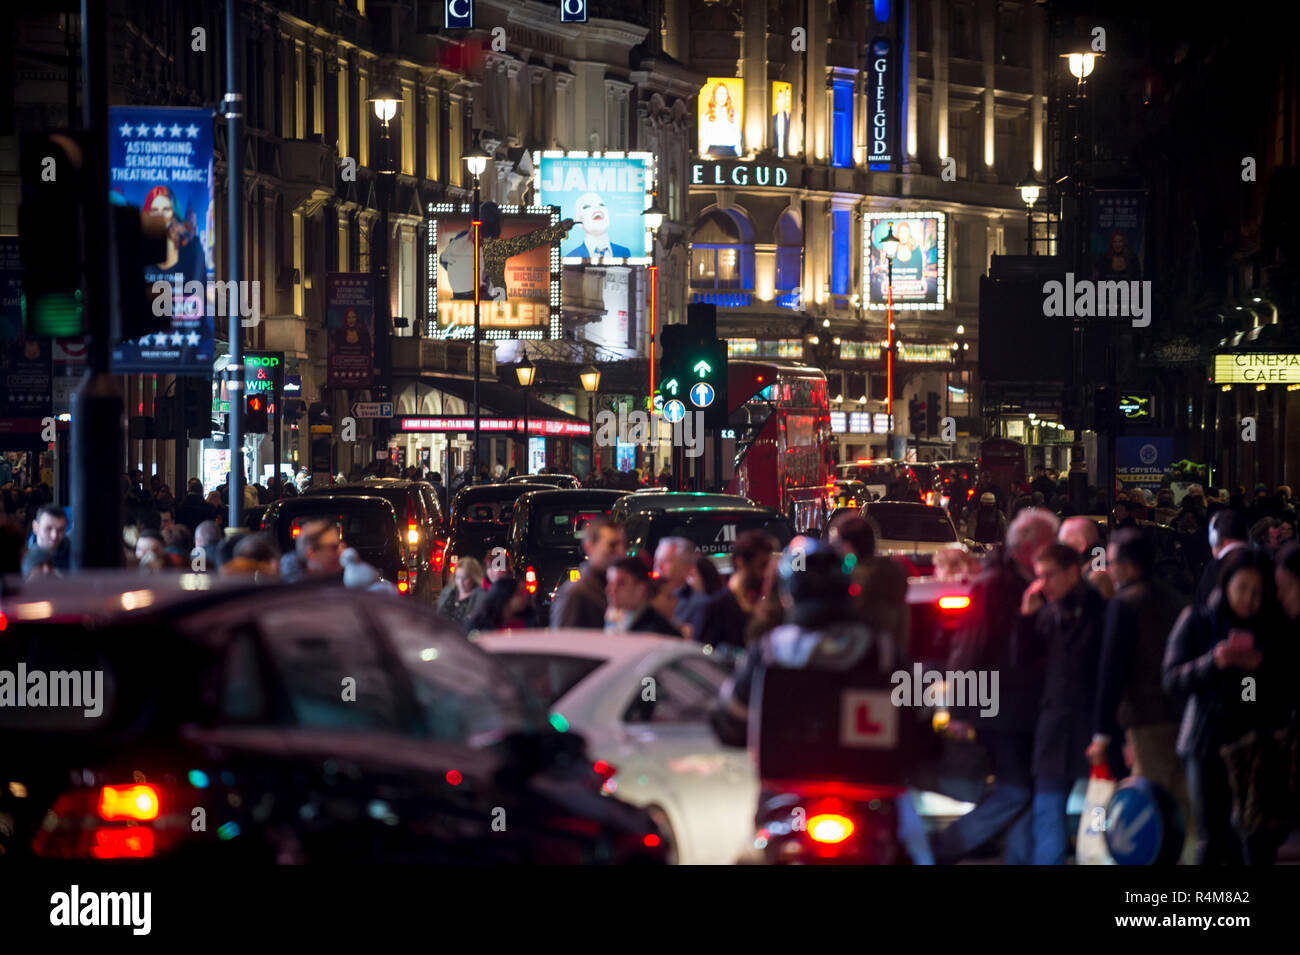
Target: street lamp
(1030, 189)
(476, 162)
(889, 245)
(525, 371)
(385, 106)
(1081, 64)
(590, 382)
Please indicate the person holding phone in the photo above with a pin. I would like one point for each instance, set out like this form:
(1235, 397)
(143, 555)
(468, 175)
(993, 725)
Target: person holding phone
(1217, 659)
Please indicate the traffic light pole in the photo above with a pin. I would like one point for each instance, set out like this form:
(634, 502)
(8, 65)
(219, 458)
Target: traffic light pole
(98, 456)
(234, 103)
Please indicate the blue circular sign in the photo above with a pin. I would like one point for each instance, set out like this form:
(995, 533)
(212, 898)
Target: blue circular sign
(674, 411)
(1141, 823)
(702, 394)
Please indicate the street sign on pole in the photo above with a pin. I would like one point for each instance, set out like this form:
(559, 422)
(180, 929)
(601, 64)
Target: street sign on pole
(372, 409)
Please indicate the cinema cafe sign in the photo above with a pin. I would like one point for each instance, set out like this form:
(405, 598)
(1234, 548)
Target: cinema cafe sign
(737, 172)
(1256, 368)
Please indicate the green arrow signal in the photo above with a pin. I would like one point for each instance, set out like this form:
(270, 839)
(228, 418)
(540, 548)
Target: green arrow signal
(702, 367)
(670, 385)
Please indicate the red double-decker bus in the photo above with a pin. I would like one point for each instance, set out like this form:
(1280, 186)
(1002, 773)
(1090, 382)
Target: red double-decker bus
(781, 418)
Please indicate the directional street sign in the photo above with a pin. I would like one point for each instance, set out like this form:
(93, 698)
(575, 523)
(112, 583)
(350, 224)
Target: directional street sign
(372, 409)
(674, 411)
(702, 394)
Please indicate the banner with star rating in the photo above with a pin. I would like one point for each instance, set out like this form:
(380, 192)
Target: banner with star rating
(350, 324)
(161, 160)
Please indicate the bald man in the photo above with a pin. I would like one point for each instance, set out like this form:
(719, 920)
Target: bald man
(1081, 535)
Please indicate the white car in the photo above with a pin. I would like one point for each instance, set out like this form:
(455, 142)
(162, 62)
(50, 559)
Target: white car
(642, 702)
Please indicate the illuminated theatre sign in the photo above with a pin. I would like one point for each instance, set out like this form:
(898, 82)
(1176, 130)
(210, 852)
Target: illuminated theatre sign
(1257, 368)
(739, 173)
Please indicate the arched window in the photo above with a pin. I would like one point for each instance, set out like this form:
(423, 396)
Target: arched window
(722, 252)
(789, 252)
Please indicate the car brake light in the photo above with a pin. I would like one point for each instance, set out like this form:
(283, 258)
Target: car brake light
(136, 842)
(403, 581)
(574, 574)
(439, 552)
(929, 497)
(451, 566)
(137, 803)
(830, 828)
(954, 602)
(413, 535)
(530, 580)
(295, 531)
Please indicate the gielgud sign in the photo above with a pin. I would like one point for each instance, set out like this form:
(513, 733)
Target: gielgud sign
(1257, 368)
(739, 173)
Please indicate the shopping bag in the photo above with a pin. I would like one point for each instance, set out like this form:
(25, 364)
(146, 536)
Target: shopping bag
(1090, 847)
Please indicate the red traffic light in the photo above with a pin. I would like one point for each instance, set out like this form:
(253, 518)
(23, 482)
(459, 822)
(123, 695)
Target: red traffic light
(254, 403)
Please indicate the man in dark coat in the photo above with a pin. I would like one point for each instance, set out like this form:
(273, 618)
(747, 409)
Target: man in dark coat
(998, 640)
(1130, 694)
(1228, 532)
(629, 589)
(193, 509)
(1068, 619)
(581, 603)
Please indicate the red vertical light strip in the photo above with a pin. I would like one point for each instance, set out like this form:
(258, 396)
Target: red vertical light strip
(889, 365)
(477, 273)
(654, 300)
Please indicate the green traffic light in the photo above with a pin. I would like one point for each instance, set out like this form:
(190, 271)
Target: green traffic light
(702, 368)
(54, 314)
(670, 385)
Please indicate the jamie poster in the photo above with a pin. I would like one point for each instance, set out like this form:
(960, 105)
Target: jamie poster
(918, 266)
(605, 198)
(350, 327)
(782, 98)
(522, 304)
(1116, 239)
(161, 159)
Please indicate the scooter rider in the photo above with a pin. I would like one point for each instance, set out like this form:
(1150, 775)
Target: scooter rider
(820, 634)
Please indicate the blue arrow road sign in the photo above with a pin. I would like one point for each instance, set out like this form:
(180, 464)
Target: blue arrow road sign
(674, 411)
(702, 394)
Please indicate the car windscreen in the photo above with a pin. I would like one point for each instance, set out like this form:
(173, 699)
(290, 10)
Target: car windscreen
(561, 526)
(715, 532)
(929, 525)
(546, 677)
(875, 474)
(368, 527)
(497, 511)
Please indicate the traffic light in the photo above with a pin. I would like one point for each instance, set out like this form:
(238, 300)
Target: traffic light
(49, 234)
(255, 418)
(931, 413)
(197, 396)
(915, 416)
(672, 377)
(708, 378)
(49, 226)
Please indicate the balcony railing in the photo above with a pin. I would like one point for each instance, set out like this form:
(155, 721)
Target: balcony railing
(724, 299)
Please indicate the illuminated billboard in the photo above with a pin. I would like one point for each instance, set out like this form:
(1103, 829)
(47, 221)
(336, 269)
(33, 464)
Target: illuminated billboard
(519, 296)
(1256, 368)
(782, 99)
(919, 265)
(721, 110)
(606, 195)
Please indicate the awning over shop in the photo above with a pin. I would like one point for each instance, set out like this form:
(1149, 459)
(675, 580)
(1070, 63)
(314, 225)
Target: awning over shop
(502, 409)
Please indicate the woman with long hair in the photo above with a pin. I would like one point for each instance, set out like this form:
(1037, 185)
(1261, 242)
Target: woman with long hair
(1215, 652)
(720, 125)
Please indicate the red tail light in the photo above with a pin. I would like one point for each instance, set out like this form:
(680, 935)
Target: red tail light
(439, 552)
(607, 774)
(404, 581)
(451, 566)
(954, 602)
(135, 803)
(137, 842)
(830, 828)
(530, 580)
